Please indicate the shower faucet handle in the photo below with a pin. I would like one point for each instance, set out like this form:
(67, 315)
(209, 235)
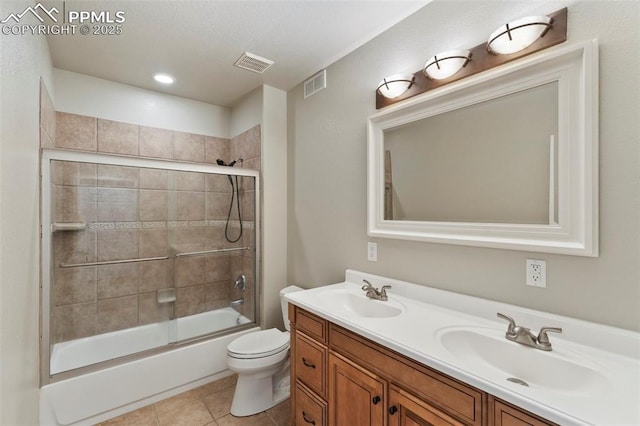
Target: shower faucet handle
(240, 282)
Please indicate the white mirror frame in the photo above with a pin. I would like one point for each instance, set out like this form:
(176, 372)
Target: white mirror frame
(575, 68)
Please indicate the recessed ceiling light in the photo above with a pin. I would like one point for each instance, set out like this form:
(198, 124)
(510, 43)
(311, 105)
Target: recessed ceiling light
(164, 78)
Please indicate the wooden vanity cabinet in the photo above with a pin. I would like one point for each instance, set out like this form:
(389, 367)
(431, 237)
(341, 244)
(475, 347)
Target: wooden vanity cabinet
(343, 379)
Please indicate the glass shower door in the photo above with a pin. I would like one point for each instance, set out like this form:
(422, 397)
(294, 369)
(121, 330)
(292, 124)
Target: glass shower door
(142, 255)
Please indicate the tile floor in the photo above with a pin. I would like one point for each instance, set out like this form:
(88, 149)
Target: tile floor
(207, 405)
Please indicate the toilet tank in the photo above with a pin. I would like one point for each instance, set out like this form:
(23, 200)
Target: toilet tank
(285, 305)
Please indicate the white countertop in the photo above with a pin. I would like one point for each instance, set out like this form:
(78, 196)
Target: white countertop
(610, 397)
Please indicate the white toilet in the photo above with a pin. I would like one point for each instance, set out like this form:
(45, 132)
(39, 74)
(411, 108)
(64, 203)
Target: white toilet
(261, 360)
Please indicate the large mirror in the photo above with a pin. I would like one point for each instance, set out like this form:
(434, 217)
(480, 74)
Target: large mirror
(505, 159)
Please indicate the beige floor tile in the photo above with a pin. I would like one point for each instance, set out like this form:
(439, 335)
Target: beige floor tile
(281, 413)
(226, 382)
(175, 402)
(219, 402)
(144, 416)
(257, 420)
(192, 413)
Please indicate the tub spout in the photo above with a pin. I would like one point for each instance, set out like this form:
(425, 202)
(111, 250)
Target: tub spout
(237, 302)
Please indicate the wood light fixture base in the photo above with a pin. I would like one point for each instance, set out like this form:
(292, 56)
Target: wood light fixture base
(482, 60)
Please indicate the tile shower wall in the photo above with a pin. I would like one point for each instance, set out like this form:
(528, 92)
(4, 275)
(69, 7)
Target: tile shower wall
(138, 213)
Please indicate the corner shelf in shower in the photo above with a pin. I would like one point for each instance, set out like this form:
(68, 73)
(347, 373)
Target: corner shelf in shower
(68, 226)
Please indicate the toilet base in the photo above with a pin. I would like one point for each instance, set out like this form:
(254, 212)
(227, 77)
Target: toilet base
(256, 394)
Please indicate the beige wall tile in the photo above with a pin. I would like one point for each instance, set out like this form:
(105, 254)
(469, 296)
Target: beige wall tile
(190, 271)
(74, 204)
(191, 239)
(218, 206)
(217, 268)
(117, 137)
(190, 181)
(217, 183)
(150, 311)
(216, 148)
(153, 242)
(156, 143)
(252, 163)
(117, 313)
(153, 206)
(117, 205)
(247, 205)
(191, 205)
(76, 132)
(156, 274)
(117, 176)
(153, 179)
(45, 140)
(117, 280)
(70, 173)
(74, 321)
(74, 247)
(189, 300)
(188, 147)
(117, 244)
(217, 295)
(74, 285)
(215, 236)
(47, 114)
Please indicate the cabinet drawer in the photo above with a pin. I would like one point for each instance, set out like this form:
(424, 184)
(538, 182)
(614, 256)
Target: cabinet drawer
(310, 364)
(312, 325)
(309, 410)
(504, 414)
(461, 401)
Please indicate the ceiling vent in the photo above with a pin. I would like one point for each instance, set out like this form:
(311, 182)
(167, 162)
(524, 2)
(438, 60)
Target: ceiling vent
(315, 84)
(254, 63)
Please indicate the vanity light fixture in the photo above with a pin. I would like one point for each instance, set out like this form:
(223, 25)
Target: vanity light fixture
(445, 64)
(518, 35)
(395, 85)
(164, 78)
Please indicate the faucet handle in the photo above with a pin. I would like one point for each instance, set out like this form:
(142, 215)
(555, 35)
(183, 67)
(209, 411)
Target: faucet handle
(383, 290)
(367, 286)
(511, 331)
(543, 339)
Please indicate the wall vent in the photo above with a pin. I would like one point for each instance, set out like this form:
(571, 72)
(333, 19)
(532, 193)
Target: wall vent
(254, 63)
(315, 84)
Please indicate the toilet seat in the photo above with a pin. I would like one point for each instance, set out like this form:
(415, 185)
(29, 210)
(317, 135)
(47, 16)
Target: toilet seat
(259, 344)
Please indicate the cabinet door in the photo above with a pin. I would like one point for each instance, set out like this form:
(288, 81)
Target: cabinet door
(356, 396)
(406, 409)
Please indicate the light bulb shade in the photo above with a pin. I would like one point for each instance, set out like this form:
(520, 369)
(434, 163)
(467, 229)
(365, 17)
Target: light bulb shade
(518, 35)
(446, 64)
(395, 85)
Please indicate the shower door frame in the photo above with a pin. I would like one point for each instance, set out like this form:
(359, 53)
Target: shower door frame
(46, 231)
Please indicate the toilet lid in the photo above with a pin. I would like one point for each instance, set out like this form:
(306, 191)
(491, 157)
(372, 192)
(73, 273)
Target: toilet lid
(259, 344)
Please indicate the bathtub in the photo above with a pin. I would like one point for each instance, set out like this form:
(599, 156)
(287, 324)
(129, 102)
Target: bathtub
(96, 396)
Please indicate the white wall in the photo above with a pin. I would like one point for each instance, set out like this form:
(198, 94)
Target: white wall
(23, 60)
(327, 169)
(274, 202)
(95, 97)
(267, 106)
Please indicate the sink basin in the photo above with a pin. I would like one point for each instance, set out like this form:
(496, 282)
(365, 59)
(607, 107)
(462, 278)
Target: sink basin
(560, 370)
(349, 303)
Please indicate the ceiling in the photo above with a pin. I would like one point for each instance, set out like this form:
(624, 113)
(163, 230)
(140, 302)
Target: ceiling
(198, 41)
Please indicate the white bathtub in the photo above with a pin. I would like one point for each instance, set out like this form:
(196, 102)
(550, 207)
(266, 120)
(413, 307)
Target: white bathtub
(102, 347)
(99, 395)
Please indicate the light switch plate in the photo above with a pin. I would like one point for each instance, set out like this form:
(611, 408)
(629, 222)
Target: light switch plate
(372, 252)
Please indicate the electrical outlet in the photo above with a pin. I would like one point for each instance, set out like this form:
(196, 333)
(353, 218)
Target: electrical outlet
(537, 273)
(372, 252)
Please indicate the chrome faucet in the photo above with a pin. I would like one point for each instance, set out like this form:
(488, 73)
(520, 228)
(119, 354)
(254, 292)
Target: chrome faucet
(524, 336)
(374, 293)
(240, 282)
